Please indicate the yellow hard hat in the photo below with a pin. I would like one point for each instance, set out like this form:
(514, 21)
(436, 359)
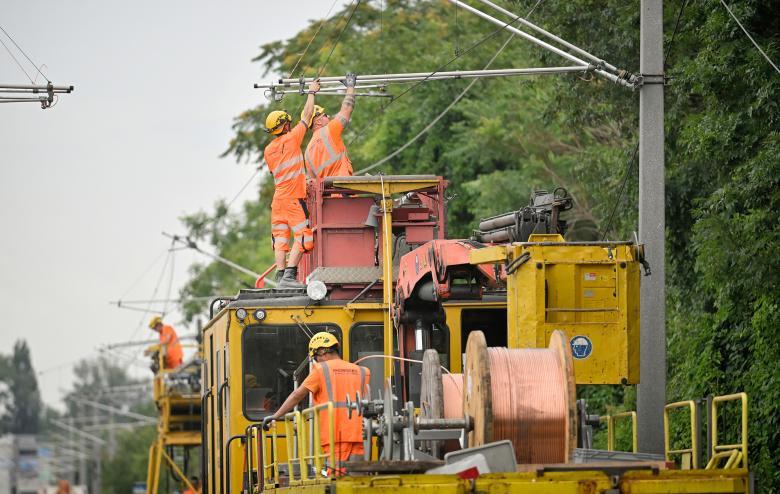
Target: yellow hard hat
(321, 340)
(318, 110)
(155, 321)
(274, 122)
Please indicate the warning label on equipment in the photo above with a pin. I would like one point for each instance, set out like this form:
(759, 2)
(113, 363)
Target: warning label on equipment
(590, 276)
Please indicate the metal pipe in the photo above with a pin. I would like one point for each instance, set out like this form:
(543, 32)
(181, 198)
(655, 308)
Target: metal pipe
(327, 93)
(40, 99)
(543, 44)
(227, 460)
(203, 442)
(31, 86)
(221, 420)
(550, 35)
(457, 74)
(32, 91)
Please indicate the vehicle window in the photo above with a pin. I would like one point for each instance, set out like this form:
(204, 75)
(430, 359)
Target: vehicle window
(365, 340)
(274, 358)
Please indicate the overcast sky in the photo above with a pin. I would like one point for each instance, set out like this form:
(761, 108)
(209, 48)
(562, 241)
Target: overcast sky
(87, 187)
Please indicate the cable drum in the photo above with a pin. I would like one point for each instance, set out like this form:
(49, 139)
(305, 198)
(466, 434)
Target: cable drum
(524, 395)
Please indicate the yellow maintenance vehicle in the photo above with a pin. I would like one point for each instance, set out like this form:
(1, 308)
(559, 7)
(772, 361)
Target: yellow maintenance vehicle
(476, 348)
(177, 395)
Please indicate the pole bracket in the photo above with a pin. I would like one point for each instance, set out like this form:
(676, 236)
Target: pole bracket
(656, 79)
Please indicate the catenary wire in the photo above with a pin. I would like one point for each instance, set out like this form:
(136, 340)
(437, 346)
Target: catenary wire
(750, 37)
(243, 188)
(448, 108)
(154, 294)
(145, 272)
(170, 282)
(17, 61)
(439, 69)
(319, 28)
(335, 43)
(25, 54)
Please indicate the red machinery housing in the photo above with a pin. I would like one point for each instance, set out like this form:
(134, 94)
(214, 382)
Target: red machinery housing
(347, 252)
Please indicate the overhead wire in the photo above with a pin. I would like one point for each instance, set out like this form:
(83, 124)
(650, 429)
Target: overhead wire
(319, 28)
(145, 272)
(448, 108)
(17, 61)
(170, 283)
(25, 54)
(750, 37)
(154, 293)
(438, 69)
(338, 38)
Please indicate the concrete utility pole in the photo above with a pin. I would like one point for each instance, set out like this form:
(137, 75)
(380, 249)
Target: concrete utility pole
(651, 393)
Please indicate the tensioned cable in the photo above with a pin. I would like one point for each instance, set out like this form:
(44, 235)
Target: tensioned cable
(750, 37)
(145, 272)
(25, 54)
(170, 283)
(439, 69)
(154, 294)
(17, 61)
(332, 48)
(449, 107)
(243, 188)
(322, 23)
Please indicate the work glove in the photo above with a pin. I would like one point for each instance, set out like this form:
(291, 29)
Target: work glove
(267, 423)
(350, 80)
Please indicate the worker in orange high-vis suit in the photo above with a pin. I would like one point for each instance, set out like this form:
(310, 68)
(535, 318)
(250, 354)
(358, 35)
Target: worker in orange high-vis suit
(169, 341)
(326, 154)
(288, 207)
(333, 379)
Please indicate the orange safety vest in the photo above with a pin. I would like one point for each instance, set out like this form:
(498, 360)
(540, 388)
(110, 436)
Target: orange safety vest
(335, 380)
(173, 353)
(285, 160)
(326, 154)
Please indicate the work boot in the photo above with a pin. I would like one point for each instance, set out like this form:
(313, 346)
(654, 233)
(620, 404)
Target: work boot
(279, 273)
(289, 279)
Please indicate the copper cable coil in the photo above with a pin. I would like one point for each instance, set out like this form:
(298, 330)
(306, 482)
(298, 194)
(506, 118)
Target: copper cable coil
(531, 398)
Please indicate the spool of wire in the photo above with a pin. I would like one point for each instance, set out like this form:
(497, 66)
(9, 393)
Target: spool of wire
(524, 395)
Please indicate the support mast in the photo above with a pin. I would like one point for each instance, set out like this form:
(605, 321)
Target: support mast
(651, 392)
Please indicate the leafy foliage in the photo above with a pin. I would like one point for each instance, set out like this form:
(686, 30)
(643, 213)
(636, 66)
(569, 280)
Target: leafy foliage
(20, 400)
(509, 136)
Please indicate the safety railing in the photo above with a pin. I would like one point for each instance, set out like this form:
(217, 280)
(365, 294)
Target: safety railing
(611, 420)
(306, 461)
(693, 451)
(736, 454)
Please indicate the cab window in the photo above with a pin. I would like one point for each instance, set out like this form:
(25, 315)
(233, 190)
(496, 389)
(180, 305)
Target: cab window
(274, 360)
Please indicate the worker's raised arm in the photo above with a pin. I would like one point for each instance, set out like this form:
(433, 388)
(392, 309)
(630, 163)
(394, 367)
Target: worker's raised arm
(349, 100)
(308, 109)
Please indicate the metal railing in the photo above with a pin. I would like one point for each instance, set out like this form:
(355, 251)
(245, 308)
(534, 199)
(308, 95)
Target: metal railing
(611, 420)
(736, 454)
(694, 449)
(306, 461)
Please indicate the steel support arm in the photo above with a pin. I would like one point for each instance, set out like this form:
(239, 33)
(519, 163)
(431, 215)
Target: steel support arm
(607, 75)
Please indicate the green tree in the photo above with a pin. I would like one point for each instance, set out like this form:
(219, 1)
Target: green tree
(21, 399)
(130, 463)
